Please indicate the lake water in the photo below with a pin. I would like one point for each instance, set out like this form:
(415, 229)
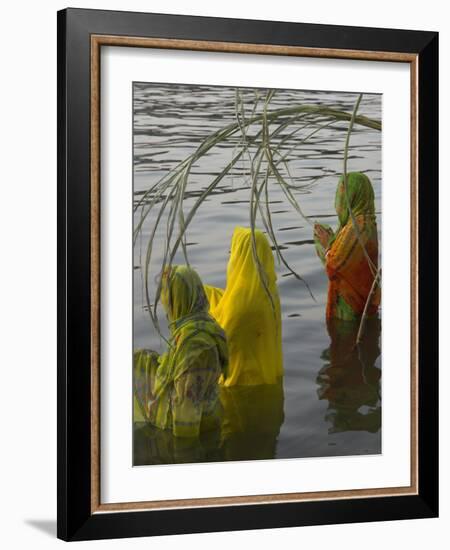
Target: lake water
(330, 400)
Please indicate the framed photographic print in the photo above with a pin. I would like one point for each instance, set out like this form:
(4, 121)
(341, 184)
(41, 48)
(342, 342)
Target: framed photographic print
(247, 252)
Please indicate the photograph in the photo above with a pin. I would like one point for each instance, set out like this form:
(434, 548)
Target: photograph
(257, 273)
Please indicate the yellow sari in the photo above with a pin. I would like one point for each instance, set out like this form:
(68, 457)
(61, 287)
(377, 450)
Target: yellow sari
(248, 310)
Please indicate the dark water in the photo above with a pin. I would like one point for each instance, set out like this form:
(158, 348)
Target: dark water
(330, 400)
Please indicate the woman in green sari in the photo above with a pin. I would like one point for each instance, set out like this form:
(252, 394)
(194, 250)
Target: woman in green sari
(178, 390)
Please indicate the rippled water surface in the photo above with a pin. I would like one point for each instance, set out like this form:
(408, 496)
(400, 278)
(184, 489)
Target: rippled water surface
(330, 401)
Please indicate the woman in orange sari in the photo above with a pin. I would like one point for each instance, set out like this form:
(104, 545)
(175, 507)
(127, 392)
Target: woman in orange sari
(350, 255)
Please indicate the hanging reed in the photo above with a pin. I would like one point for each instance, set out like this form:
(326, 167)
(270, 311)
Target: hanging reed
(263, 142)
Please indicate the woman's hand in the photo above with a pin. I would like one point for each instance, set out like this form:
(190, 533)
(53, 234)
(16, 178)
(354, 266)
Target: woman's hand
(323, 234)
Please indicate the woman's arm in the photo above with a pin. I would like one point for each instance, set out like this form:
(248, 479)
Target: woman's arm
(322, 236)
(187, 404)
(193, 394)
(145, 365)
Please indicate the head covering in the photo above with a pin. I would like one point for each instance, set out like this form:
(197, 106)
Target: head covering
(192, 330)
(249, 311)
(360, 197)
(242, 260)
(182, 294)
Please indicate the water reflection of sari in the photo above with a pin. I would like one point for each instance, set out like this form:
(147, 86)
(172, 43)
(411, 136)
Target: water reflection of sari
(350, 269)
(253, 416)
(179, 390)
(249, 312)
(154, 446)
(350, 382)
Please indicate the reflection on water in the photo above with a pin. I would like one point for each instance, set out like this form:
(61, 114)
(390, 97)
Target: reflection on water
(343, 418)
(252, 417)
(154, 446)
(252, 421)
(350, 381)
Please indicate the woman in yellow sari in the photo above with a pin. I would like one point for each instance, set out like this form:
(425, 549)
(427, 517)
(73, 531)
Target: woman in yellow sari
(350, 255)
(249, 312)
(179, 390)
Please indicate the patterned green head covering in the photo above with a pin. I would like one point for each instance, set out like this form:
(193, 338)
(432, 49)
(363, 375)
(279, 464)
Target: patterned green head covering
(182, 293)
(193, 331)
(360, 197)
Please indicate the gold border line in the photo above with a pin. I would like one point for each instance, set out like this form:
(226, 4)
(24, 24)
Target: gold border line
(174, 44)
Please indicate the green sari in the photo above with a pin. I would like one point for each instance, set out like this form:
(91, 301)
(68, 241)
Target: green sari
(179, 389)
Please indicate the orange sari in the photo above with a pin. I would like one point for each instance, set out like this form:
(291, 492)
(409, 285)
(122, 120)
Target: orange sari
(349, 272)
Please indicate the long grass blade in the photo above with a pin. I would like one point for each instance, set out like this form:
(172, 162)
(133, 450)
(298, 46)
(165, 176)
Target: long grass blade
(172, 187)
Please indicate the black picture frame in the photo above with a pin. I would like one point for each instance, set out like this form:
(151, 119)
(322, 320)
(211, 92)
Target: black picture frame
(75, 518)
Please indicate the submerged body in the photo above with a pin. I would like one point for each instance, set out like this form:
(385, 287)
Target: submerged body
(253, 416)
(350, 255)
(179, 389)
(249, 312)
(350, 378)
